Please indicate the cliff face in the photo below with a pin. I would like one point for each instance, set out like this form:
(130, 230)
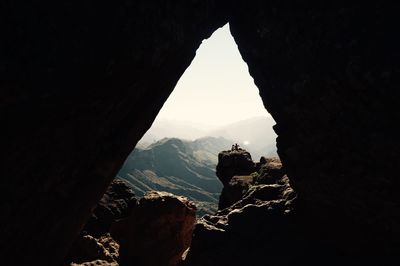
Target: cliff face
(117, 203)
(256, 224)
(81, 82)
(234, 169)
(158, 231)
(328, 73)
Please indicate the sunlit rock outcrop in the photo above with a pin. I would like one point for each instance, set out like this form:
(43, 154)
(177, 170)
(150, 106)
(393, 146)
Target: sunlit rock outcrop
(233, 162)
(158, 231)
(233, 169)
(256, 220)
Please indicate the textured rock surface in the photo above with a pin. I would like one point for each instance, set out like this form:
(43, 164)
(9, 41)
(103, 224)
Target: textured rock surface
(256, 230)
(233, 169)
(115, 204)
(87, 250)
(96, 263)
(329, 75)
(232, 163)
(158, 231)
(80, 82)
(234, 190)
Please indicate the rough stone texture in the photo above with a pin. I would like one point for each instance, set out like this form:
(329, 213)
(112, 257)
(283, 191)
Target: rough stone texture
(158, 231)
(96, 263)
(329, 75)
(234, 190)
(269, 170)
(232, 163)
(259, 229)
(233, 169)
(115, 204)
(87, 250)
(238, 173)
(80, 83)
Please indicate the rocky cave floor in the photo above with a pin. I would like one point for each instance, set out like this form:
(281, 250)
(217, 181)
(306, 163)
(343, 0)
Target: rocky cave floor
(162, 229)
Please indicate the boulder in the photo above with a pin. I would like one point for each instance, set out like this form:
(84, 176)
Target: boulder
(231, 163)
(238, 173)
(88, 250)
(258, 218)
(158, 231)
(115, 204)
(234, 190)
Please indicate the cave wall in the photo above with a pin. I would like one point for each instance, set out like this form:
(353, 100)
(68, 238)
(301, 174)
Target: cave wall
(81, 82)
(329, 74)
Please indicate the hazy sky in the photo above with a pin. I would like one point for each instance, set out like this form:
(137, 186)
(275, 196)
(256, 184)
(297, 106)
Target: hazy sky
(216, 89)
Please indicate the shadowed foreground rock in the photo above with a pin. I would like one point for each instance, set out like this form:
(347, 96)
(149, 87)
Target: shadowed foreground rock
(96, 263)
(88, 250)
(230, 163)
(233, 170)
(158, 231)
(258, 218)
(94, 245)
(82, 81)
(115, 204)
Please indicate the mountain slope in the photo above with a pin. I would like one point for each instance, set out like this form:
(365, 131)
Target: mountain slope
(255, 134)
(178, 166)
(163, 128)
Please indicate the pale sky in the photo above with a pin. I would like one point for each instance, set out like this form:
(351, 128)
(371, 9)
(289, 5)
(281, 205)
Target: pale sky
(216, 89)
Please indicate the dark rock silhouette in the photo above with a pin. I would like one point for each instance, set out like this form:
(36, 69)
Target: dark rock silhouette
(158, 231)
(264, 178)
(81, 82)
(94, 245)
(116, 203)
(233, 169)
(236, 162)
(331, 88)
(234, 190)
(258, 219)
(155, 231)
(88, 250)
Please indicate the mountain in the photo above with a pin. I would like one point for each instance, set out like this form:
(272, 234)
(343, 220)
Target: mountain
(178, 166)
(166, 128)
(255, 134)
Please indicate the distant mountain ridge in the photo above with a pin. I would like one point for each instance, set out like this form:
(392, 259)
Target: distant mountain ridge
(178, 166)
(255, 134)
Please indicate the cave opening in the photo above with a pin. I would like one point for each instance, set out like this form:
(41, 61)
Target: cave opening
(82, 83)
(214, 105)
